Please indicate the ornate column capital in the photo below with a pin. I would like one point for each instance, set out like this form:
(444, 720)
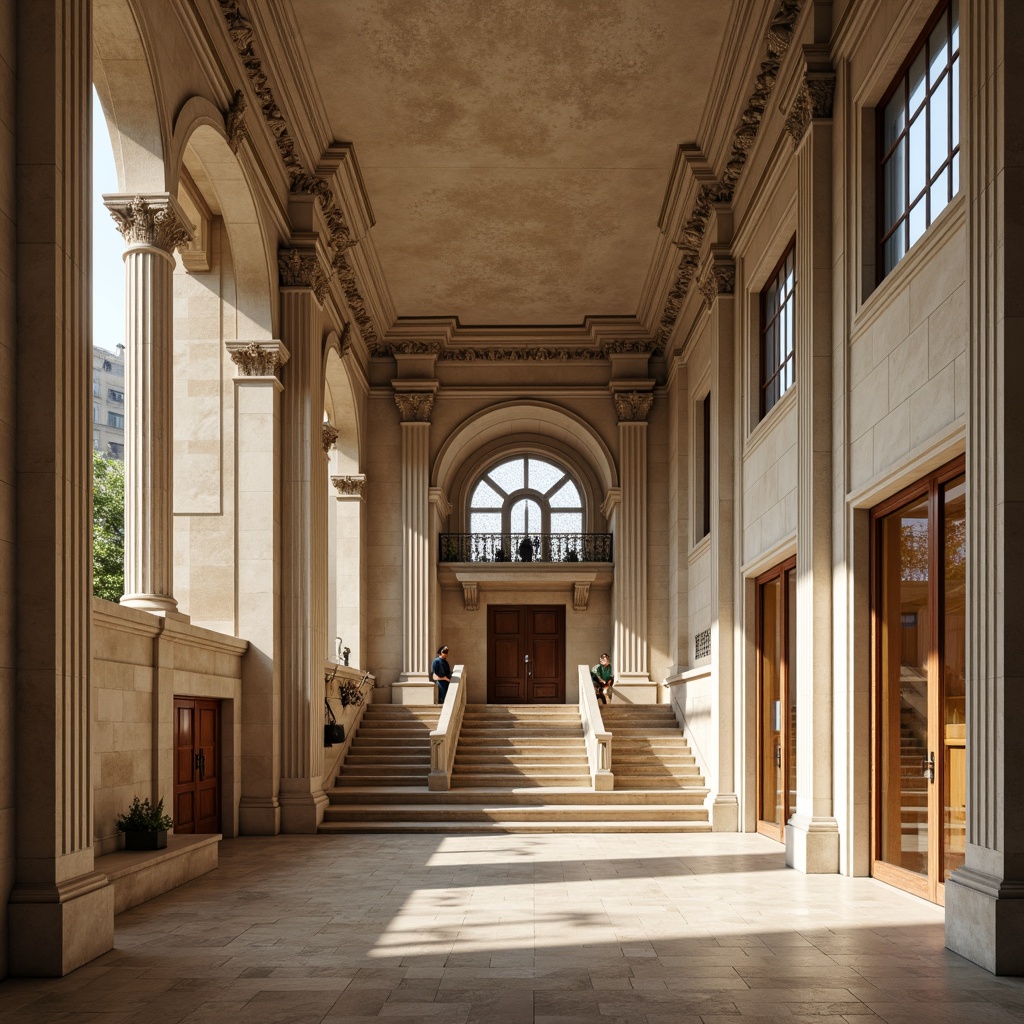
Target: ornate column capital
(415, 406)
(234, 121)
(153, 219)
(719, 279)
(633, 406)
(302, 268)
(814, 98)
(257, 358)
(440, 503)
(349, 486)
(328, 435)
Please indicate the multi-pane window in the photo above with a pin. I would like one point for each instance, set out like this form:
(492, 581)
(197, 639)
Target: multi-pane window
(919, 138)
(115, 419)
(778, 333)
(526, 495)
(115, 396)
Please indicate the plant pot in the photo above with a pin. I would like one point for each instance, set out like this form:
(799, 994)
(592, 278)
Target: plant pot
(145, 840)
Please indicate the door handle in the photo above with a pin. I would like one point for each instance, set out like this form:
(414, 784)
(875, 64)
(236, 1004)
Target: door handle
(928, 767)
(778, 757)
(200, 765)
(529, 671)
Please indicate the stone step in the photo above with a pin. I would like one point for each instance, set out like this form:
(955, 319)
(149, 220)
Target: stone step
(387, 759)
(504, 812)
(550, 796)
(344, 781)
(657, 781)
(539, 827)
(548, 777)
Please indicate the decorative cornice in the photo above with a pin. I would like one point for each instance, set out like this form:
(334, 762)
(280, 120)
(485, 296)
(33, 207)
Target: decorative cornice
(633, 406)
(328, 436)
(813, 102)
(777, 39)
(302, 181)
(536, 354)
(415, 406)
(257, 359)
(720, 279)
(627, 345)
(234, 121)
(349, 486)
(301, 268)
(155, 220)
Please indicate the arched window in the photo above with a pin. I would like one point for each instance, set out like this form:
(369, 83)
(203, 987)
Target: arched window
(526, 495)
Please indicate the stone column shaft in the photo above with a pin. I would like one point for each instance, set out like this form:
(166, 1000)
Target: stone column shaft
(303, 562)
(416, 639)
(812, 833)
(152, 226)
(60, 912)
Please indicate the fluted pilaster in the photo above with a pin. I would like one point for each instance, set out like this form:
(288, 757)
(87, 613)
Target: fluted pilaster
(416, 640)
(152, 226)
(812, 833)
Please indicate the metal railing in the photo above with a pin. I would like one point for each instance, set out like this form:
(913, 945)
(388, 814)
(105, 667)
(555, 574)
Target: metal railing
(445, 738)
(524, 547)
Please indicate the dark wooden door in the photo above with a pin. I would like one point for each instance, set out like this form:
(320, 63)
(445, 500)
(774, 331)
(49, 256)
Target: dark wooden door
(526, 654)
(196, 765)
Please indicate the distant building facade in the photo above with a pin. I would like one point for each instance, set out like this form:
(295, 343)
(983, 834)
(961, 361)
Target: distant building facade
(108, 402)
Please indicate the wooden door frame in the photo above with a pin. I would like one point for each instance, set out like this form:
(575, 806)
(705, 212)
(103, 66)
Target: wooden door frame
(930, 887)
(525, 634)
(779, 572)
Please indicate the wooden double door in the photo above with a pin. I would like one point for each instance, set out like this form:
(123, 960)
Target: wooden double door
(196, 765)
(526, 654)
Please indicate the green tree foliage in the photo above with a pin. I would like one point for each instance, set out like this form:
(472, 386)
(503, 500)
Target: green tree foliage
(107, 527)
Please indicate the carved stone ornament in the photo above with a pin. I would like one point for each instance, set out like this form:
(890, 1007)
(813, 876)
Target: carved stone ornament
(301, 269)
(234, 121)
(328, 436)
(256, 361)
(720, 279)
(535, 354)
(627, 346)
(813, 101)
(633, 406)
(415, 406)
(150, 220)
(470, 596)
(777, 39)
(580, 596)
(349, 486)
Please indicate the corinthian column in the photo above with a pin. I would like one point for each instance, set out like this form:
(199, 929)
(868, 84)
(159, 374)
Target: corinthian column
(304, 543)
(414, 685)
(153, 225)
(631, 674)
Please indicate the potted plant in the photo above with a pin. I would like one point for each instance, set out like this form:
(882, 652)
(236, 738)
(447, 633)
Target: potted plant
(144, 826)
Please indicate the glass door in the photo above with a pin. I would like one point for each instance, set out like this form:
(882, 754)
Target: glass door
(776, 701)
(919, 631)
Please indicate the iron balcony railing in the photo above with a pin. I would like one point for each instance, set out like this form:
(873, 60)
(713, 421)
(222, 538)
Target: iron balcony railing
(525, 547)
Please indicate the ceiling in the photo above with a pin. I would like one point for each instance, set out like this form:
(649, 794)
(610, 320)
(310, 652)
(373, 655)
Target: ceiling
(516, 152)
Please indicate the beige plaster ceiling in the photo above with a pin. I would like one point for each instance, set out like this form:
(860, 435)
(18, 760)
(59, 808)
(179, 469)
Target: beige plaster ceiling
(516, 152)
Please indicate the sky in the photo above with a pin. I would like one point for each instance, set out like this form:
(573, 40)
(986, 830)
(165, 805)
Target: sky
(107, 244)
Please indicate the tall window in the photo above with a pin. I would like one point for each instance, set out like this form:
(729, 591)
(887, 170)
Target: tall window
(778, 333)
(702, 458)
(919, 138)
(526, 495)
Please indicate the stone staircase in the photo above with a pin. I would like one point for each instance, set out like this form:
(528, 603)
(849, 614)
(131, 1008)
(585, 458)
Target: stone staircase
(517, 768)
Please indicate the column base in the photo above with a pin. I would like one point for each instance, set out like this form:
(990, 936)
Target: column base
(259, 817)
(414, 689)
(635, 689)
(158, 604)
(812, 845)
(302, 811)
(54, 929)
(725, 813)
(985, 921)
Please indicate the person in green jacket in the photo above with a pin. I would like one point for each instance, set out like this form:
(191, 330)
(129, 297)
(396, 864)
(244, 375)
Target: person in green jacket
(604, 677)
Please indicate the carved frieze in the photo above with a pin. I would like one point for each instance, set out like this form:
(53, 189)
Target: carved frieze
(301, 268)
(633, 406)
(234, 121)
(349, 486)
(719, 279)
(155, 220)
(778, 37)
(415, 406)
(256, 360)
(628, 345)
(538, 354)
(328, 436)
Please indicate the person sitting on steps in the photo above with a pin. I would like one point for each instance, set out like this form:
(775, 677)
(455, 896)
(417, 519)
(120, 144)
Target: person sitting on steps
(603, 677)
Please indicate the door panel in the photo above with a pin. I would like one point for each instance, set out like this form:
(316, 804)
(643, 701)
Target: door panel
(526, 654)
(196, 765)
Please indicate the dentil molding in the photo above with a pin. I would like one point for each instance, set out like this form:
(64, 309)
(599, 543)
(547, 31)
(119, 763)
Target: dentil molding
(152, 219)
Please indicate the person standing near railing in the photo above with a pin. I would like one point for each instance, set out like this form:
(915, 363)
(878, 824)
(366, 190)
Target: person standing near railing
(441, 673)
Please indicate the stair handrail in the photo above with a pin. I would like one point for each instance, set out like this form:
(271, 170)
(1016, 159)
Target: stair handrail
(598, 739)
(445, 738)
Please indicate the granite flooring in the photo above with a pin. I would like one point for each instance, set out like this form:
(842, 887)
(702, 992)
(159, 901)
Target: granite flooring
(510, 929)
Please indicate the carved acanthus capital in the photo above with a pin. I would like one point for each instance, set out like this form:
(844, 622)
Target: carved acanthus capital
(633, 406)
(328, 436)
(155, 220)
(813, 101)
(415, 406)
(234, 121)
(301, 268)
(349, 486)
(719, 279)
(257, 358)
